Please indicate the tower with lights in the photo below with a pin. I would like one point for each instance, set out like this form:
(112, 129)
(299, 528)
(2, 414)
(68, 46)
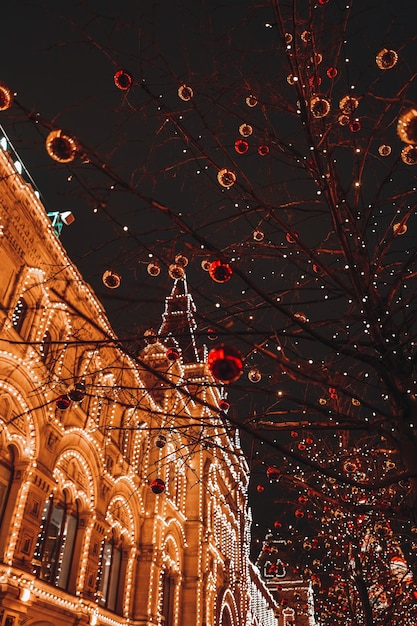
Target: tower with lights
(123, 492)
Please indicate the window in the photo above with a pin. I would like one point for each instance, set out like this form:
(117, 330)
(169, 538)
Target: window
(6, 477)
(19, 314)
(168, 594)
(55, 544)
(108, 586)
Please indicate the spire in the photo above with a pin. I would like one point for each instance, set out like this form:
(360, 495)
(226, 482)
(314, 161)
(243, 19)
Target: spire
(178, 323)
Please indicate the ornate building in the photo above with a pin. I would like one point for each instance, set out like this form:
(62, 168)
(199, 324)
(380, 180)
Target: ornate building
(123, 495)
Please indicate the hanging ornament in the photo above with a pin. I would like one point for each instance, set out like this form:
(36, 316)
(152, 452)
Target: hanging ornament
(176, 272)
(354, 126)
(409, 155)
(260, 488)
(291, 79)
(386, 59)
(245, 130)
(299, 513)
(384, 150)
(343, 120)
(291, 237)
(153, 269)
(258, 235)
(226, 178)
(224, 405)
(160, 441)
(225, 363)
(319, 107)
(63, 402)
(61, 147)
(77, 392)
(323, 2)
(301, 317)
(122, 80)
(111, 279)
(251, 101)
(220, 272)
(172, 354)
(205, 264)
(288, 38)
(263, 150)
(315, 82)
(294, 434)
(273, 473)
(6, 97)
(181, 260)
(348, 104)
(332, 72)
(157, 485)
(241, 146)
(185, 93)
(211, 334)
(399, 228)
(305, 36)
(407, 126)
(254, 375)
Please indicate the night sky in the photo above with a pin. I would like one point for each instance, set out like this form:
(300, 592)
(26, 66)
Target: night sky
(146, 148)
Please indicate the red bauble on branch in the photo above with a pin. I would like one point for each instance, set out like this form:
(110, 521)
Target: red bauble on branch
(157, 485)
(122, 80)
(220, 272)
(225, 363)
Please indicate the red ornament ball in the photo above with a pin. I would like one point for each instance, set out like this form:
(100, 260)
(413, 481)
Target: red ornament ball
(172, 354)
(332, 72)
(277, 524)
(122, 80)
(241, 146)
(225, 363)
(220, 272)
(273, 473)
(260, 488)
(299, 513)
(224, 405)
(157, 485)
(263, 150)
(63, 402)
(355, 126)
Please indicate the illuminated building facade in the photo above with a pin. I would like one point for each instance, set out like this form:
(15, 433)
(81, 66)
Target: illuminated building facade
(123, 498)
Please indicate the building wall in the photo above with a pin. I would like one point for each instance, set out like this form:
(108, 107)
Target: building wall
(83, 538)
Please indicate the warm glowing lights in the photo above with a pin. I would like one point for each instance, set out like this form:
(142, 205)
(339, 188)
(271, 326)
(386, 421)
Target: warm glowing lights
(384, 150)
(61, 146)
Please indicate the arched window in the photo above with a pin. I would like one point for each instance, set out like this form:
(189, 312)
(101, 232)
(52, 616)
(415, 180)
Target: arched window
(109, 574)
(168, 594)
(19, 314)
(55, 544)
(6, 477)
